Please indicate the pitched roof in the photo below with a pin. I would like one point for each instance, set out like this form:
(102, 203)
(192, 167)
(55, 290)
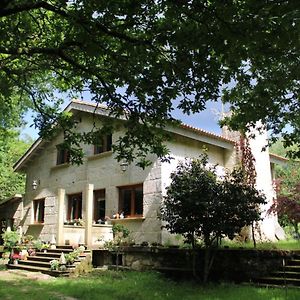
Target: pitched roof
(183, 130)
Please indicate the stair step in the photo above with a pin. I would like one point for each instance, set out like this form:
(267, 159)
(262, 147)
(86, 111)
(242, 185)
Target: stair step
(286, 274)
(41, 258)
(278, 281)
(294, 262)
(57, 250)
(34, 263)
(39, 269)
(65, 247)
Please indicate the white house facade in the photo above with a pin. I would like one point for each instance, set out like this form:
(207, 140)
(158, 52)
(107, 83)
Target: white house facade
(74, 203)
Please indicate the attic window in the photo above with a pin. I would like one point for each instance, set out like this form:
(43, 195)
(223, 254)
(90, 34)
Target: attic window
(63, 155)
(104, 144)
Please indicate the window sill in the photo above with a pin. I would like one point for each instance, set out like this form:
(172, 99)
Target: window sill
(129, 219)
(100, 155)
(36, 224)
(60, 166)
(73, 226)
(102, 225)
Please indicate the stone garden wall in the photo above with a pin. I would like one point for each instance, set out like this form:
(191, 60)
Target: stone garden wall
(229, 265)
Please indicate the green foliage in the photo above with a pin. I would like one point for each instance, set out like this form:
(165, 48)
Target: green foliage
(120, 230)
(11, 148)
(140, 56)
(37, 244)
(198, 205)
(54, 265)
(11, 239)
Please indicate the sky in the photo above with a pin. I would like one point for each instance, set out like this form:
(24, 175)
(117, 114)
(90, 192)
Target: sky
(207, 120)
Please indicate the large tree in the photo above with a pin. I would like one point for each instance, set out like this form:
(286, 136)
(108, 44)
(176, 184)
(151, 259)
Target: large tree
(11, 148)
(139, 56)
(198, 205)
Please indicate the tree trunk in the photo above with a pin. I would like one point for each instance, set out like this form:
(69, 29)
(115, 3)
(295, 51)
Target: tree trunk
(253, 235)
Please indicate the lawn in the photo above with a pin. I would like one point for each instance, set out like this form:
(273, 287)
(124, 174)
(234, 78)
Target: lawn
(290, 244)
(132, 285)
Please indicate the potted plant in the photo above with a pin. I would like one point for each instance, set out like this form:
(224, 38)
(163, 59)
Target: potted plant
(11, 239)
(54, 265)
(15, 258)
(45, 247)
(69, 259)
(37, 244)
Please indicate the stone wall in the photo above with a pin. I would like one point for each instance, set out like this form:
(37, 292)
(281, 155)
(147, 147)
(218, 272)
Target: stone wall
(230, 264)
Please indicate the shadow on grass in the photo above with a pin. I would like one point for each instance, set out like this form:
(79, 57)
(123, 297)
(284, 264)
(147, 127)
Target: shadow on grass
(132, 285)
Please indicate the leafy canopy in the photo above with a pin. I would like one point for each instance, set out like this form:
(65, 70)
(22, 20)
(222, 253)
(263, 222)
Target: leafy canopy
(199, 205)
(139, 56)
(11, 148)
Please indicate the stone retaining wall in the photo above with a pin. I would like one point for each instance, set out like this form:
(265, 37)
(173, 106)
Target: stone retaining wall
(230, 264)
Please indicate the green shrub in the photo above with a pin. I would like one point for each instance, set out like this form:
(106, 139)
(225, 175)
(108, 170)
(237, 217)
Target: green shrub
(11, 239)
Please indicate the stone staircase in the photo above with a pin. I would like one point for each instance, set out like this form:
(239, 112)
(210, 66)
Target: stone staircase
(288, 275)
(40, 262)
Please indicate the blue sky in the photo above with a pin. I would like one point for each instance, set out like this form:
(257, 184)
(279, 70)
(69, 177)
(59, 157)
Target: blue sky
(207, 120)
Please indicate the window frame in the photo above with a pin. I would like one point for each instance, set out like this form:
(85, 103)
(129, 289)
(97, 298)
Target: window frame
(105, 146)
(62, 155)
(99, 194)
(39, 211)
(132, 189)
(78, 207)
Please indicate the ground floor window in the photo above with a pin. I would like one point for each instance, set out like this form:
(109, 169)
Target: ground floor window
(99, 206)
(131, 200)
(74, 207)
(38, 210)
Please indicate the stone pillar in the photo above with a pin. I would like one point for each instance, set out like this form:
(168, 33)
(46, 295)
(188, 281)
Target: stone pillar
(89, 196)
(60, 216)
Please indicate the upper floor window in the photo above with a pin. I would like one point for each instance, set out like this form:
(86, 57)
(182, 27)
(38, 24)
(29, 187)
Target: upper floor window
(99, 206)
(63, 155)
(131, 200)
(103, 145)
(74, 207)
(38, 210)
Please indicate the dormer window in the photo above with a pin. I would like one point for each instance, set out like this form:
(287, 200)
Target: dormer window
(63, 155)
(104, 144)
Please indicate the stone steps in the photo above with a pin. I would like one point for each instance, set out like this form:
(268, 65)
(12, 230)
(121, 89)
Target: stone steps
(289, 275)
(41, 261)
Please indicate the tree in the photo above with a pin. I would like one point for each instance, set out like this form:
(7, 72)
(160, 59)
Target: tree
(287, 203)
(287, 207)
(198, 205)
(139, 56)
(11, 148)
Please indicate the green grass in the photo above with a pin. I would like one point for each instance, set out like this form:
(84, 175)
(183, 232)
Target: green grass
(133, 285)
(280, 245)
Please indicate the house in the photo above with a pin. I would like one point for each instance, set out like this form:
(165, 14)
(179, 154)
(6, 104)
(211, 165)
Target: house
(71, 203)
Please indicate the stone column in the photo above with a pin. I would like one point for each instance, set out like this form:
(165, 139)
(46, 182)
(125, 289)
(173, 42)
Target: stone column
(60, 216)
(89, 196)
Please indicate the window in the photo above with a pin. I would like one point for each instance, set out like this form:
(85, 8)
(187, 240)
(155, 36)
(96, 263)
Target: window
(38, 210)
(63, 155)
(99, 206)
(131, 200)
(104, 144)
(74, 207)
